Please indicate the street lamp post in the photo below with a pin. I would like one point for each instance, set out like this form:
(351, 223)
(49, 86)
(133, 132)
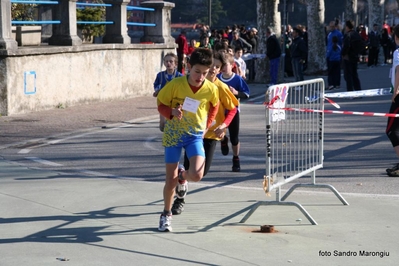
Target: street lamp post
(209, 12)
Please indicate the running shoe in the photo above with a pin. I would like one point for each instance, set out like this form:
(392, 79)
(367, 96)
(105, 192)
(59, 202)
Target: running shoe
(224, 145)
(182, 185)
(392, 169)
(178, 206)
(236, 164)
(165, 223)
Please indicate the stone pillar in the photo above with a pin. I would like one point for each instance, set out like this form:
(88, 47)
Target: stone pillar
(66, 32)
(6, 41)
(116, 32)
(161, 33)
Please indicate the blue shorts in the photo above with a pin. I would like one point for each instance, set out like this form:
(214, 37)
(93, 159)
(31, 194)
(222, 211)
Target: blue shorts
(193, 148)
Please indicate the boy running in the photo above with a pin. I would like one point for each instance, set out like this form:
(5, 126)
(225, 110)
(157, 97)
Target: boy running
(163, 77)
(226, 113)
(240, 90)
(190, 105)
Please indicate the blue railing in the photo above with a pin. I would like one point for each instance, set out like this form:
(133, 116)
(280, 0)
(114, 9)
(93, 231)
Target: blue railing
(79, 5)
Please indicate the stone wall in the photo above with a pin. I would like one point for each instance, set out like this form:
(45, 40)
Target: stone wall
(40, 78)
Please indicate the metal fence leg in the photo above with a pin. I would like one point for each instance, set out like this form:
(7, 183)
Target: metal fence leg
(339, 196)
(299, 206)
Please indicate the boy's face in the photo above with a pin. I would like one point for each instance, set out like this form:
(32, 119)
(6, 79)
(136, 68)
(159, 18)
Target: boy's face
(169, 62)
(238, 54)
(228, 68)
(230, 51)
(215, 69)
(197, 75)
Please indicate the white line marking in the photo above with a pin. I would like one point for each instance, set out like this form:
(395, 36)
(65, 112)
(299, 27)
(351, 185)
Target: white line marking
(148, 144)
(42, 161)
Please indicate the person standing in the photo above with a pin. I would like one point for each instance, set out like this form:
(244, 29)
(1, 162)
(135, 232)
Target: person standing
(386, 43)
(392, 129)
(374, 46)
(350, 56)
(334, 64)
(299, 53)
(237, 41)
(182, 51)
(273, 53)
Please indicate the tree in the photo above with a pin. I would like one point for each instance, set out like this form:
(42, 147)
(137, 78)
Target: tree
(350, 9)
(316, 36)
(189, 11)
(376, 9)
(268, 16)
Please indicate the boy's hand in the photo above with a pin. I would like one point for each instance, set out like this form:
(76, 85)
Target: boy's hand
(155, 94)
(234, 91)
(177, 112)
(220, 131)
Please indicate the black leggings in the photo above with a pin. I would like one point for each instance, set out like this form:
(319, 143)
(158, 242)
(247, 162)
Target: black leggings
(392, 130)
(209, 147)
(234, 129)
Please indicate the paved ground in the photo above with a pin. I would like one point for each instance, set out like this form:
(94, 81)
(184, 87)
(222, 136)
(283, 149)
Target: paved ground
(49, 217)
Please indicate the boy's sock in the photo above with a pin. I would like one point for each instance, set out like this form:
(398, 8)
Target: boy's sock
(166, 213)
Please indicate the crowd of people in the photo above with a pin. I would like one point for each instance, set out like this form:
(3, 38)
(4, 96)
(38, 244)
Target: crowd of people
(198, 94)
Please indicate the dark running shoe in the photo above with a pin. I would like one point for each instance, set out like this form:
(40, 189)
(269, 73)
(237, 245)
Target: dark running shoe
(178, 206)
(236, 164)
(224, 145)
(394, 168)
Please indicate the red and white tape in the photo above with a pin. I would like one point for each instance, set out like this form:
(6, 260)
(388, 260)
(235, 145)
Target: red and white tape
(336, 112)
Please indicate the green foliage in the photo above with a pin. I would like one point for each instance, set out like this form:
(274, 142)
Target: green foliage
(23, 12)
(91, 14)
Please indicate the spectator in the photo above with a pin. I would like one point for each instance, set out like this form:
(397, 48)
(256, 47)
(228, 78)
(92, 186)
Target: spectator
(182, 51)
(386, 43)
(238, 41)
(334, 64)
(299, 54)
(240, 62)
(273, 53)
(350, 56)
(374, 46)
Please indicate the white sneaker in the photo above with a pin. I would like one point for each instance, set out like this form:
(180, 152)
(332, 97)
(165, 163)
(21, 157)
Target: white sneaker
(182, 186)
(165, 223)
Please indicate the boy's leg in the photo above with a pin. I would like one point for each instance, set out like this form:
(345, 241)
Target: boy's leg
(234, 129)
(172, 156)
(196, 154)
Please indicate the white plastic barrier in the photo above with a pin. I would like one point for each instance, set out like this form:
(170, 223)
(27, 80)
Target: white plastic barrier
(294, 140)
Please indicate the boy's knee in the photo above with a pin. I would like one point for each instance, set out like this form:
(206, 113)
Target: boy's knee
(196, 177)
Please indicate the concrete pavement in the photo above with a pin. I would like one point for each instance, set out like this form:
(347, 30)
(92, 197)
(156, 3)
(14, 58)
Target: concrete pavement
(49, 217)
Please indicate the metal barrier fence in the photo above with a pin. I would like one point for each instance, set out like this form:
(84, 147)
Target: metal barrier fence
(79, 5)
(294, 140)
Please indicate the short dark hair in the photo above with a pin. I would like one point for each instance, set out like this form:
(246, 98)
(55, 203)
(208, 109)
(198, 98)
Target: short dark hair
(297, 30)
(220, 56)
(349, 24)
(201, 56)
(238, 48)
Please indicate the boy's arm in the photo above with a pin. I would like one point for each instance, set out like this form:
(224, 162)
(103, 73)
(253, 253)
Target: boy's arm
(169, 112)
(229, 117)
(213, 110)
(165, 111)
